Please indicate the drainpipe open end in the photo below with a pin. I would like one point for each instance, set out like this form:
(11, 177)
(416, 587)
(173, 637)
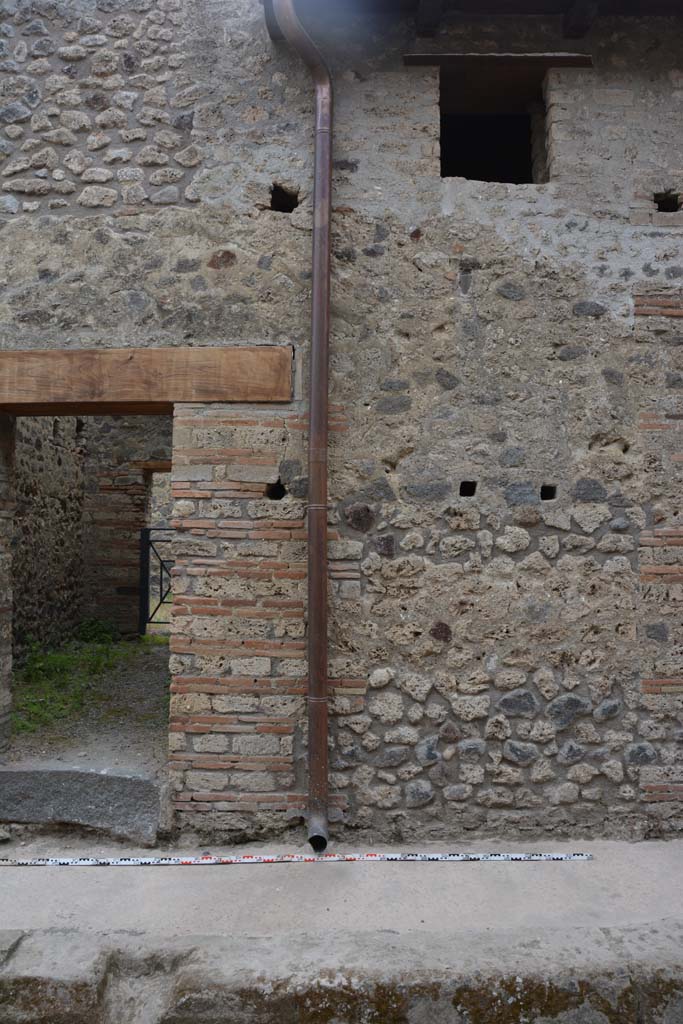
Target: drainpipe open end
(318, 834)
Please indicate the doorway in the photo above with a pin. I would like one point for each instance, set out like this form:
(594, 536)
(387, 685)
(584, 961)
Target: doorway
(89, 695)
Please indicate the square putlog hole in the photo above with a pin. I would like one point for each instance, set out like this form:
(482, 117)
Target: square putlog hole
(668, 202)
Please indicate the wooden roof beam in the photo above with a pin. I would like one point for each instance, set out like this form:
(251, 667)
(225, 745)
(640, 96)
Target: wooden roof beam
(579, 18)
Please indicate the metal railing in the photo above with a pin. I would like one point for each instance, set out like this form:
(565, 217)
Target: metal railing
(155, 577)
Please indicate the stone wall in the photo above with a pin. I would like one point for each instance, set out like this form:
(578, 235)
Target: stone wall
(48, 525)
(506, 660)
(161, 500)
(122, 453)
(97, 103)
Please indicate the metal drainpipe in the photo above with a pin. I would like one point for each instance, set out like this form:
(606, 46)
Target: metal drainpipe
(301, 42)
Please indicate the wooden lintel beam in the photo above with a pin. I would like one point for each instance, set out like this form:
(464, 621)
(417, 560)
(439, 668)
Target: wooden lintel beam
(428, 17)
(515, 60)
(579, 18)
(140, 380)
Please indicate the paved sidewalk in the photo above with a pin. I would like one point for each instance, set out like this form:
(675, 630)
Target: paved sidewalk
(573, 943)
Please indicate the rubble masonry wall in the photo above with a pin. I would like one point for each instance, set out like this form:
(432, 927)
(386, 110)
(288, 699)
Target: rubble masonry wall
(503, 663)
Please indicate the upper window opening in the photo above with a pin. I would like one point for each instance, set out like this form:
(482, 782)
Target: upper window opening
(668, 202)
(493, 123)
(282, 199)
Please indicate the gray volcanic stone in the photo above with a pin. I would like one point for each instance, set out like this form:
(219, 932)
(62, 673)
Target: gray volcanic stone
(394, 404)
(613, 376)
(433, 490)
(427, 751)
(512, 457)
(418, 793)
(8, 204)
(512, 291)
(520, 703)
(446, 380)
(592, 309)
(521, 494)
(571, 752)
(566, 709)
(608, 708)
(14, 112)
(640, 753)
(378, 490)
(391, 757)
(586, 490)
(471, 749)
(570, 352)
(520, 753)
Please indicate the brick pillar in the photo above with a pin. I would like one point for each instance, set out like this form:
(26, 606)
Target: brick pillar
(6, 533)
(238, 648)
(238, 661)
(115, 513)
(659, 771)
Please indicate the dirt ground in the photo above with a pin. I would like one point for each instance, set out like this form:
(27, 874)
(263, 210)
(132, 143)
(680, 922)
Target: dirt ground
(123, 728)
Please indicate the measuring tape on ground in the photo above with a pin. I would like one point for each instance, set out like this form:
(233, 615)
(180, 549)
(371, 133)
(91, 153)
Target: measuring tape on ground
(207, 860)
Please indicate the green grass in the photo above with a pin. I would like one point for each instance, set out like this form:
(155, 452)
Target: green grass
(54, 684)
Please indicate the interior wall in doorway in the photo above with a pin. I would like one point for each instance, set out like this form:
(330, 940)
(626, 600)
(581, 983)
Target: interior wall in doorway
(122, 452)
(7, 430)
(161, 501)
(48, 529)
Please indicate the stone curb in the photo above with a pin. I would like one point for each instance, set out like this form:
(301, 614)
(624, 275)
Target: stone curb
(583, 976)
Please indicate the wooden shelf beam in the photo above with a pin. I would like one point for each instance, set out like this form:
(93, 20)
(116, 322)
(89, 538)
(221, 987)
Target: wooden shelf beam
(428, 17)
(499, 60)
